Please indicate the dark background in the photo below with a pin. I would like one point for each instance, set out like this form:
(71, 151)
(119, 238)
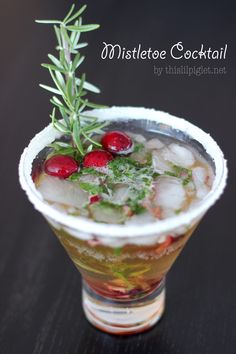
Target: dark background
(40, 300)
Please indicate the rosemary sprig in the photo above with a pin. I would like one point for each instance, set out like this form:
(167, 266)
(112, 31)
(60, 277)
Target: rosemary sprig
(69, 90)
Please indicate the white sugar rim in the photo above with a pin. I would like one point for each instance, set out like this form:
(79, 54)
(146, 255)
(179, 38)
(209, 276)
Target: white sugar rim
(49, 134)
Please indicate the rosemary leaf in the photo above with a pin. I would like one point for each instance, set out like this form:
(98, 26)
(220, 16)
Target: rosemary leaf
(59, 85)
(76, 136)
(93, 105)
(50, 22)
(83, 28)
(54, 100)
(77, 61)
(65, 117)
(53, 67)
(81, 45)
(91, 140)
(57, 32)
(55, 61)
(76, 35)
(51, 89)
(88, 86)
(77, 14)
(69, 89)
(59, 126)
(69, 13)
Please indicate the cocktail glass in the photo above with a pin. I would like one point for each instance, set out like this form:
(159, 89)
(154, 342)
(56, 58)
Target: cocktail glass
(123, 267)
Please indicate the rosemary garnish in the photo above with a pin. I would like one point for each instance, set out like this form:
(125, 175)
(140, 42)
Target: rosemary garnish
(70, 91)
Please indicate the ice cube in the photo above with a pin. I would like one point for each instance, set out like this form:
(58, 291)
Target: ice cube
(61, 191)
(190, 189)
(140, 219)
(137, 137)
(141, 156)
(199, 179)
(154, 144)
(89, 179)
(121, 194)
(178, 155)
(168, 213)
(108, 213)
(159, 164)
(170, 193)
(199, 174)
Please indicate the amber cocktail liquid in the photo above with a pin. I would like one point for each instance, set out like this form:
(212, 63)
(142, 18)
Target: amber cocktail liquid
(131, 275)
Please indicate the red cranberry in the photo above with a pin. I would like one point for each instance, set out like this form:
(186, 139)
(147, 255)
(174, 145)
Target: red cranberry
(94, 242)
(116, 142)
(60, 166)
(94, 199)
(97, 159)
(169, 240)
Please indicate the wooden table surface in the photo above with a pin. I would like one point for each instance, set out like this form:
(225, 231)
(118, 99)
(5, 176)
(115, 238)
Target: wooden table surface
(40, 289)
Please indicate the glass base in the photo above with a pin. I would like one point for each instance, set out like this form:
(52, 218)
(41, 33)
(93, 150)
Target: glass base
(124, 316)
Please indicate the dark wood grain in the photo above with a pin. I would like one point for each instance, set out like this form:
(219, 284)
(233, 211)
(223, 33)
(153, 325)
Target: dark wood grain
(40, 289)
